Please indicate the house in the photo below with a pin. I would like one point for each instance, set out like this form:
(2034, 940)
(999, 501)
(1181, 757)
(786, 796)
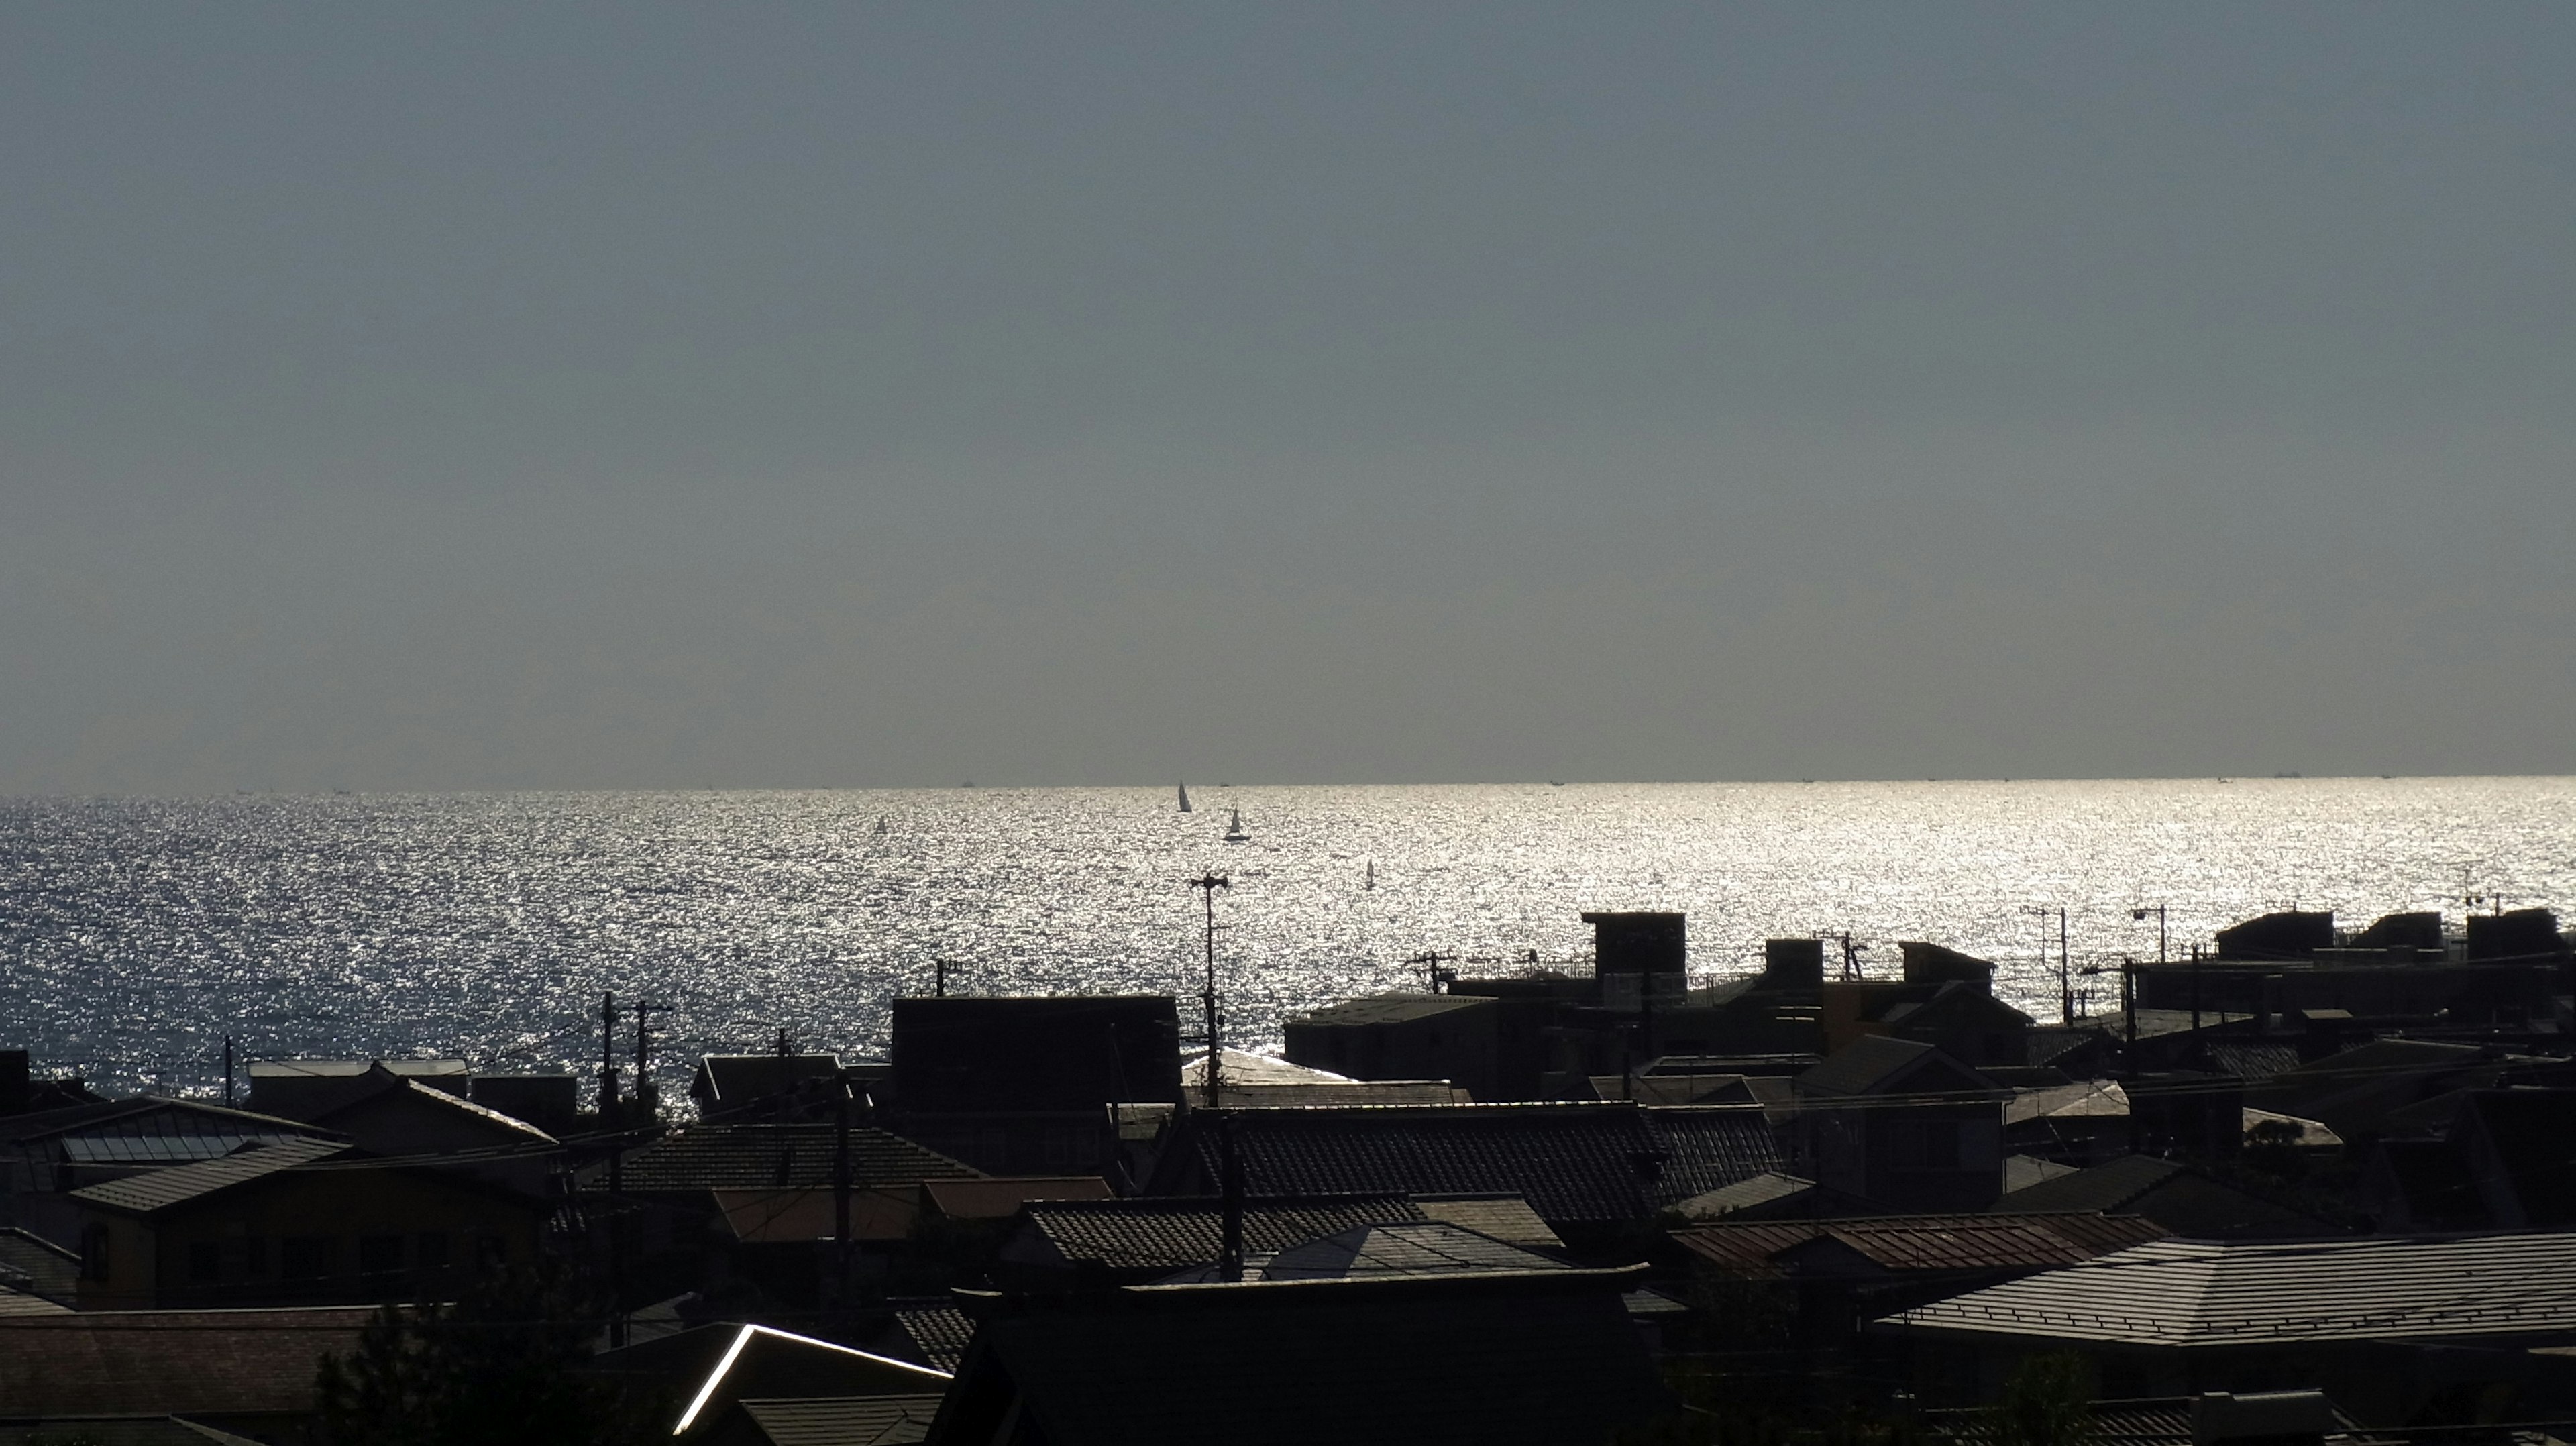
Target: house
(246, 1371)
(1902, 1123)
(398, 1116)
(2176, 1196)
(1831, 1276)
(2393, 1328)
(1023, 1086)
(1399, 1036)
(1594, 1172)
(305, 1221)
(298, 1089)
(754, 1198)
(547, 1099)
(1946, 1000)
(46, 1155)
(1498, 1359)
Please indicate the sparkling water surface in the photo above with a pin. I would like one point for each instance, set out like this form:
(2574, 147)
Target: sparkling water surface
(136, 933)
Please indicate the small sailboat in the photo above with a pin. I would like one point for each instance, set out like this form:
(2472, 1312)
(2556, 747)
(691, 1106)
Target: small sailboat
(1234, 832)
(1368, 874)
(881, 825)
(1185, 796)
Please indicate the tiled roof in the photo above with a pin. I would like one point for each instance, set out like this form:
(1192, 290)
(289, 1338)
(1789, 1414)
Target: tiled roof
(938, 1334)
(159, 1189)
(2533, 1132)
(1574, 1163)
(2209, 1293)
(195, 1362)
(2107, 1186)
(1923, 1242)
(1371, 1092)
(1863, 1065)
(2083, 1099)
(2251, 1058)
(1428, 1247)
(844, 1420)
(1762, 1189)
(1001, 1199)
(2177, 1197)
(1507, 1218)
(1172, 1234)
(750, 1157)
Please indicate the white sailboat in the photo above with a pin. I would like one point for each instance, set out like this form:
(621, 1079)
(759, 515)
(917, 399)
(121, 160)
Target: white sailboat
(1185, 796)
(1235, 833)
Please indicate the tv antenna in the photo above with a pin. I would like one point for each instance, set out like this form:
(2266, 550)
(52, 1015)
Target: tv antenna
(1429, 962)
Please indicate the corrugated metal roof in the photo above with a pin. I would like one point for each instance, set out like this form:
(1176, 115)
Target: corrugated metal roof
(159, 1189)
(1923, 1242)
(158, 1149)
(1507, 1218)
(2206, 1293)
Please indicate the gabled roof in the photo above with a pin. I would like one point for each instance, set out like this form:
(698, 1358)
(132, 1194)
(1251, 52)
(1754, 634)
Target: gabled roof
(1397, 1008)
(751, 1157)
(2084, 1099)
(150, 1130)
(1762, 1189)
(20, 1302)
(842, 1420)
(1507, 1218)
(2175, 1196)
(936, 1335)
(394, 1092)
(2212, 1293)
(179, 1184)
(1875, 1063)
(1174, 1234)
(1427, 1247)
(1535, 1357)
(763, 1362)
(1243, 1067)
(197, 1362)
(1922, 1242)
(1589, 1163)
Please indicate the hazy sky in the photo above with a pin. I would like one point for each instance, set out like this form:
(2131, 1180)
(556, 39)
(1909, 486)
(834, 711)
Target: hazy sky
(630, 395)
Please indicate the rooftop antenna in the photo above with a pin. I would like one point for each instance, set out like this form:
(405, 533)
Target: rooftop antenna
(2065, 976)
(1429, 962)
(783, 1050)
(1851, 955)
(1208, 884)
(940, 969)
(608, 1061)
(228, 1071)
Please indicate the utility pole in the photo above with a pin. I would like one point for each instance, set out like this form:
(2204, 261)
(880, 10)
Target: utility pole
(2065, 972)
(1851, 954)
(644, 1101)
(783, 1051)
(939, 972)
(841, 1192)
(2159, 912)
(1208, 884)
(1229, 1259)
(228, 1071)
(608, 1110)
(1429, 962)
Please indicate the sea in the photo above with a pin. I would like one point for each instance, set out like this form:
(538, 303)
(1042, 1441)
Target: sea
(137, 934)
